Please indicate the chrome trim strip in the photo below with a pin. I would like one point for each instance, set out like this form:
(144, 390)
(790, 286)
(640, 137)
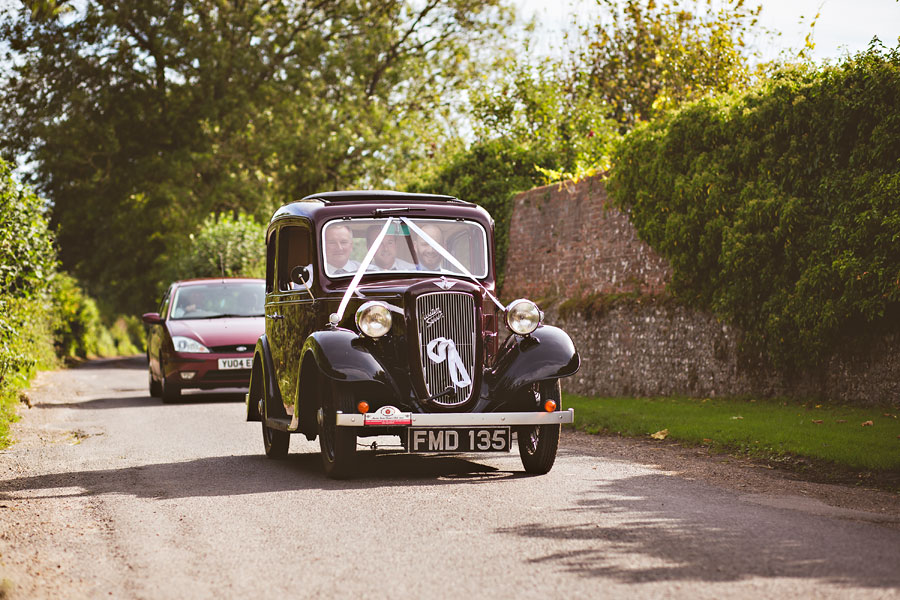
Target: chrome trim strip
(472, 419)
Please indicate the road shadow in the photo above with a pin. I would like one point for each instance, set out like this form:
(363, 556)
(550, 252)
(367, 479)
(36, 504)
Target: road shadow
(251, 474)
(141, 401)
(138, 361)
(658, 520)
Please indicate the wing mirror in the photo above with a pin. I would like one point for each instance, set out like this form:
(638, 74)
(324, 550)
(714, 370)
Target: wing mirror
(302, 275)
(151, 318)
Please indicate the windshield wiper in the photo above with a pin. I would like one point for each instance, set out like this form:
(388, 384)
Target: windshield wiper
(388, 211)
(233, 316)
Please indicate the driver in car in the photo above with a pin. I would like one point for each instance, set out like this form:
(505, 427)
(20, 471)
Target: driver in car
(338, 245)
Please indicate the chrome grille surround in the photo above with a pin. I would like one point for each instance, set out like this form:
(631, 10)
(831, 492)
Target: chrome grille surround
(449, 315)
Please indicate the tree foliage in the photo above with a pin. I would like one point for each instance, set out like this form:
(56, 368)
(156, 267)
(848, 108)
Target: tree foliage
(140, 118)
(643, 57)
(567, 114)
(226, 246)
(544, 107)
(780, 209)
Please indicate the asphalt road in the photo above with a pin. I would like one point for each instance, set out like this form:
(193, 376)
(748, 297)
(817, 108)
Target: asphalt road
(109, 493)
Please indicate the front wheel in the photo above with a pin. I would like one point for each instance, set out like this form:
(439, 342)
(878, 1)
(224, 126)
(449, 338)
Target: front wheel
(338, 444)
(538, 443)
(155, 387)
(275, 442)
(169, 392)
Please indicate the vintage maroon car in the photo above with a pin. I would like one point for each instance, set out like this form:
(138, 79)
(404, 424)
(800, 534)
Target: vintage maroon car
(382, 320)
(204, 334)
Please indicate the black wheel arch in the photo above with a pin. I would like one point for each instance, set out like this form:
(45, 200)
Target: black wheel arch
(263, 374)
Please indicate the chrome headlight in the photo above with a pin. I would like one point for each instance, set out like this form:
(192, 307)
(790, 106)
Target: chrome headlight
(523, 316)
(186, 344)
(373, 319)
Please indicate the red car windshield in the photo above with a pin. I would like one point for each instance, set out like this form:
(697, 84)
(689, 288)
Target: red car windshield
(216, 300)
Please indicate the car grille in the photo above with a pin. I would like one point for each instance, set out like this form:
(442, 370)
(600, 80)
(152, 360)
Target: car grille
(233, 349)
(229, 375)
(449, 315)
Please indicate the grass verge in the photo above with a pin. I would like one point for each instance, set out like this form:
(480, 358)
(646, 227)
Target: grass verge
(837, 440)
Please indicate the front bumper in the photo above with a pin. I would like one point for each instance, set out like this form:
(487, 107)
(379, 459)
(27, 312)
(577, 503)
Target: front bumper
(205, 369)
(498, 419)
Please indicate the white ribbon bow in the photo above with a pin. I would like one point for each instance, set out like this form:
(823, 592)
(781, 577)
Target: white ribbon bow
(441, 349)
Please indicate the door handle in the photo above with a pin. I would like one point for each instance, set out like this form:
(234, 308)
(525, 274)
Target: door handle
(275, 316)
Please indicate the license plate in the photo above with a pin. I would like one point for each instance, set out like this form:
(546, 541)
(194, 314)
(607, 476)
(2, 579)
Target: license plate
(226, 364)
(458, 439)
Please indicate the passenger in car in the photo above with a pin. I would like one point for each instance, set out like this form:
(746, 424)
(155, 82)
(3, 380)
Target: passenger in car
(338, 245)
(188, 304)
(429, 258)
(385, 258)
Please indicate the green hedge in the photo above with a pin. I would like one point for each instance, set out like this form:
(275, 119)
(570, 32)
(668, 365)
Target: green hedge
(779, 210)
(27, 264)
(44, 314)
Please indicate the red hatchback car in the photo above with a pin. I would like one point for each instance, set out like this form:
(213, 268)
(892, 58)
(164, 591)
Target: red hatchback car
(204, 334)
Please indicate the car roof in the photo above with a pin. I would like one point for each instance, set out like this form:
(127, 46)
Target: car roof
(376, 196)
(329, 205)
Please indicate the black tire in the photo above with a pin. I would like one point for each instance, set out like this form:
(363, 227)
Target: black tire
(538, 444)
(275, 442)
(169, 392)
(155, 387)
(338, 444)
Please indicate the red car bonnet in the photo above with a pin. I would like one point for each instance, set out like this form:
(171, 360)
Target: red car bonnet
(220, 332)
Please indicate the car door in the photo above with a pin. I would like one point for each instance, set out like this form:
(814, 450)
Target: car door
(156, 335)
(292, 306)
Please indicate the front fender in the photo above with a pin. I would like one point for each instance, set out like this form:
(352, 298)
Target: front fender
(342, 355)
(263, 367)
(548, 353)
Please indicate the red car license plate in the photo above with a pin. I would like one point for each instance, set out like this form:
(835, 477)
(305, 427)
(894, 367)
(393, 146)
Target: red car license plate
(458, 439)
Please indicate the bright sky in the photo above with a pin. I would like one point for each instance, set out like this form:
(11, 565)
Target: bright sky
(843, 26)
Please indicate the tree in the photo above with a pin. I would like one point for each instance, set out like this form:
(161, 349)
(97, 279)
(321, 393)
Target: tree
(141, 117)
(543, 107)
(226, 246)
(651, 55)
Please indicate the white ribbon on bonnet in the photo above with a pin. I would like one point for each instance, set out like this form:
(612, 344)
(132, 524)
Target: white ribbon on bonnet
(441, 349)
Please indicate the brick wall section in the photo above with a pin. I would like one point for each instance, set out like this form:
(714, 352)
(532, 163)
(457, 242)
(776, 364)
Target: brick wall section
(567, 242)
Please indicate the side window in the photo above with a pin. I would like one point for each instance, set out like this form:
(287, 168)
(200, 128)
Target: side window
(270, 261)
(164, 305)
(293, 251)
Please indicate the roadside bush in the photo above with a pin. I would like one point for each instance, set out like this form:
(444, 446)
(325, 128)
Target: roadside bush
(78, 327)
(27, 262)
(779, 210)
(44, 314)
(80, 331)
(225, 246)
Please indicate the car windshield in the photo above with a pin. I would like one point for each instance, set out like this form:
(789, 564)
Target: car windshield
(404, 248)
(216, 300)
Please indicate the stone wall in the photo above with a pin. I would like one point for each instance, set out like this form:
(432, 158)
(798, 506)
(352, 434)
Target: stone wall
(566, 244)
